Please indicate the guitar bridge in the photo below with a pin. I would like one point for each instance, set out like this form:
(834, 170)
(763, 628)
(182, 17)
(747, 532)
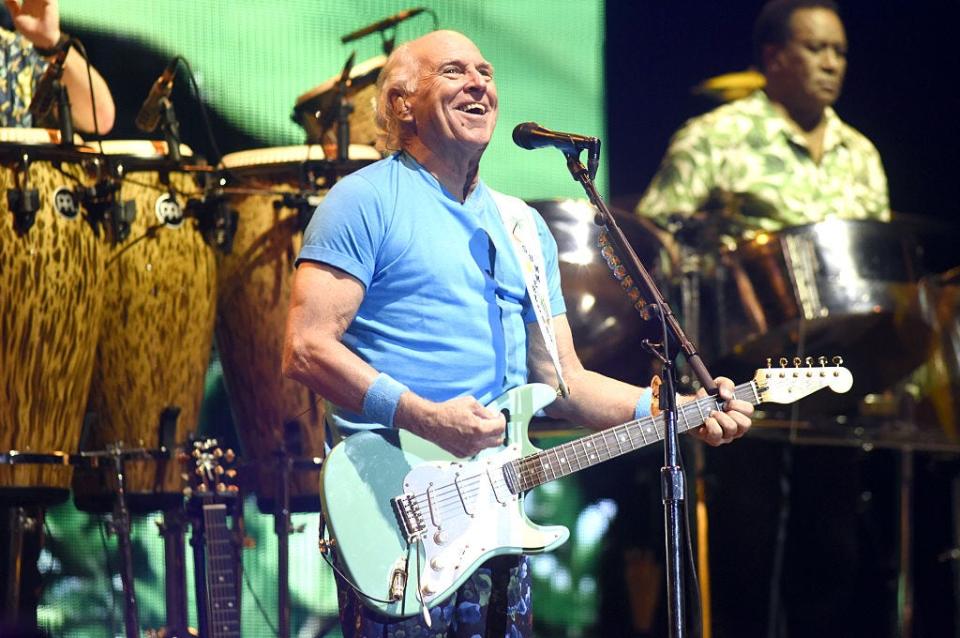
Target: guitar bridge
(408, 514)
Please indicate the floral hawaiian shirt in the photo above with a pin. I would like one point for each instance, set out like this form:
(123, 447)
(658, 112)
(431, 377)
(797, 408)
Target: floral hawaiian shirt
(746, 152)
(21, 69)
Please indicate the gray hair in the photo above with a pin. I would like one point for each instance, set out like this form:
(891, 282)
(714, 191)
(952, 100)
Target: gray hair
(399, 76)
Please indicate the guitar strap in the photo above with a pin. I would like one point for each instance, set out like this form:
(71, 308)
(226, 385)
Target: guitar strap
(520, 224)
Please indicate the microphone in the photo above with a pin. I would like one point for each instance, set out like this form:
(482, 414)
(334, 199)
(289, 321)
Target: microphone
(149, 116)
(386, 23)
(44, 94)
(530, 135)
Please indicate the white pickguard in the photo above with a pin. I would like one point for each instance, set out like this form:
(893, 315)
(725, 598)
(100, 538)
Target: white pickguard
(468, 514)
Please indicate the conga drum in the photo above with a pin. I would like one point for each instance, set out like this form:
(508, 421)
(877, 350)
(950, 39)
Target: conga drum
(156, 329)
(317, 109)
(51, 301)
(254, 283)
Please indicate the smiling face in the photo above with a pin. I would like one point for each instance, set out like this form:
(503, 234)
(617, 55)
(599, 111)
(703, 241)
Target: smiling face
(453, 110)
(809, 68)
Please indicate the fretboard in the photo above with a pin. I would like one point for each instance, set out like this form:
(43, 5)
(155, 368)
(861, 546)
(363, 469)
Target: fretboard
(223, 610)
(545, 466)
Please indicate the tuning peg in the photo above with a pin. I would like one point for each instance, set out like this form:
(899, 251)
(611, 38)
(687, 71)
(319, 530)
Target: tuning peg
(783, 362)
(188, 491)
(838, 361)
(822, 360)
(809, 362)
(202, 488)
(233, 488)
(769, 362)
(796, 362)
(229, 455)
(232, 473)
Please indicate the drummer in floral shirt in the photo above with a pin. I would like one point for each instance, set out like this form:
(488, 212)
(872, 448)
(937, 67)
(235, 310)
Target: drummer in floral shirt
(781, 156)
(24, 55)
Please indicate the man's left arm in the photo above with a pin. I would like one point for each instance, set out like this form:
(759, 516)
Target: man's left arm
(39, 22)
(598, 401)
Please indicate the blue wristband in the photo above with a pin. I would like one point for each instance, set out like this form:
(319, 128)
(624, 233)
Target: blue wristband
(643, 404)
(380, 401)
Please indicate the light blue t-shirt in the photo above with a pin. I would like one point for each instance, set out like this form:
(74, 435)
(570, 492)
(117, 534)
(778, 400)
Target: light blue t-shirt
(446, 306)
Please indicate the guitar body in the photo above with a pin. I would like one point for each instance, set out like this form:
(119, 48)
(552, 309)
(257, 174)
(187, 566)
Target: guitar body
(465, 512)
(409, 522)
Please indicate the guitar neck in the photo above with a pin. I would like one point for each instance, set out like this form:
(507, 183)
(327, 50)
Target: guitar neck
(547, 465)
(223, 609)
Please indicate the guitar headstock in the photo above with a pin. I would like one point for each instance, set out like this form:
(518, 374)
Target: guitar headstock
(208, 469)
(787, 384)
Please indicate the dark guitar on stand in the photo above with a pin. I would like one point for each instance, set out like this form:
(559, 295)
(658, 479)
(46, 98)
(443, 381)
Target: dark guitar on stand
(213, 498)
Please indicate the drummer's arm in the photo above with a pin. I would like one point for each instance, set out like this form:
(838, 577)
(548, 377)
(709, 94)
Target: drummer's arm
(81, 105)
(598, 401)
(39, 22)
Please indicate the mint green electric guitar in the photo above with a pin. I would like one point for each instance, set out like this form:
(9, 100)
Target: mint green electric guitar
(408, 522)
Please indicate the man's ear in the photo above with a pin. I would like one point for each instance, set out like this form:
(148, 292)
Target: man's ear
(401, 106)
(770, 57)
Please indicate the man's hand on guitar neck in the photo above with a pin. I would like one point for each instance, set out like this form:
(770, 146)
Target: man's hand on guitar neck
(461, 426)
(726, 426)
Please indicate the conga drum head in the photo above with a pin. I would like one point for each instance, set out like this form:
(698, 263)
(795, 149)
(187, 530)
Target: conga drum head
(51, 278)
(836, 288)
(607, 330)
(270, 411)
(157, 327)
(315, 110)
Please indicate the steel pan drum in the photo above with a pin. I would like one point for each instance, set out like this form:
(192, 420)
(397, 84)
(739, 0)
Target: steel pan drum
(606, 329)
(51, 300)
(157, 327)
(255, 280)
(846, 288)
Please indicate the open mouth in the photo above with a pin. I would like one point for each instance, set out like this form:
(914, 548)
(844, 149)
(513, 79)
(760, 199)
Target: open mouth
(473, 108)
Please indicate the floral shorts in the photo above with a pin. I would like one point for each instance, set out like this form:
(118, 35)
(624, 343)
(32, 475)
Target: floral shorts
(471, 612)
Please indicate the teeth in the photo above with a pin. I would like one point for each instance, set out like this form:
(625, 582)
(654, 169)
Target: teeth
(474, 107)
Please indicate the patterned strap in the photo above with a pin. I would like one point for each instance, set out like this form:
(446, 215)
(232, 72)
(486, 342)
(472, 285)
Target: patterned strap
(519, 222)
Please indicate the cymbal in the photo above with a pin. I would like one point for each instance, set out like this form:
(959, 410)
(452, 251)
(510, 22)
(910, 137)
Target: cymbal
(731, 86)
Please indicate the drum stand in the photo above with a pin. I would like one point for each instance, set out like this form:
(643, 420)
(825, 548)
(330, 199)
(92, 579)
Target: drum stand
(283, 527)
(120, 525)
(172, 529)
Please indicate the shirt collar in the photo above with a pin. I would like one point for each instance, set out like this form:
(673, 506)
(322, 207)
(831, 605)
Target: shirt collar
(833, 136)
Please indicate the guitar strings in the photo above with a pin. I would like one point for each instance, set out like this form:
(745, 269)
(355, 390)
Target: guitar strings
(454, 494)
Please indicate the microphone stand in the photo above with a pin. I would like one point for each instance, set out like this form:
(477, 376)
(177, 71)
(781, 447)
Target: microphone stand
(671, 475)
(171, 129)
(64, 114)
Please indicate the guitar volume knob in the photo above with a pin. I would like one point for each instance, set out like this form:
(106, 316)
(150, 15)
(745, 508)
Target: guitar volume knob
(439, 537)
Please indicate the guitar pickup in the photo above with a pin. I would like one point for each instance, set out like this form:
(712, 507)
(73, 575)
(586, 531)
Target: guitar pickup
(409, 516)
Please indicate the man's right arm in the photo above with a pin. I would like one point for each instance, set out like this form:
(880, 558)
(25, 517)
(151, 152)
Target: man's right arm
(323, 303)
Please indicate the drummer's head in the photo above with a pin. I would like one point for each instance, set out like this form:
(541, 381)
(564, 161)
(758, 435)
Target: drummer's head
(438, 91)
(801, 48)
